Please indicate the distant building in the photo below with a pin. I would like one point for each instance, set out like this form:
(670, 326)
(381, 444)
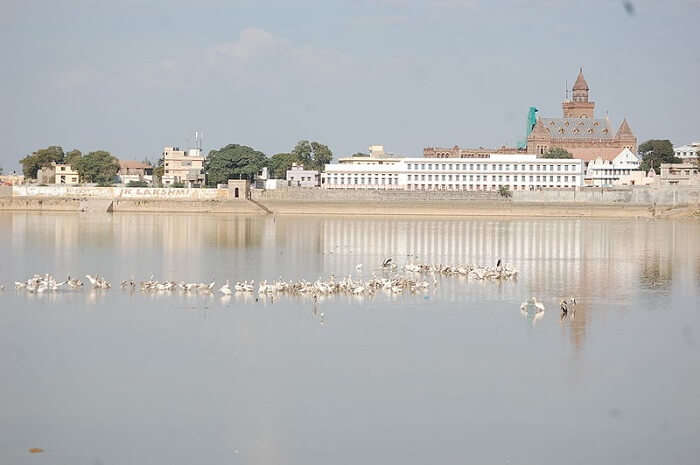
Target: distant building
(263, 180)
(65, 174)
(11, 179)
(183, 166)
(457, 152)
(637, 178)
(600, 172)
(297, 176)
(579, 132)
(488, 172)
(130, 170)
(46, 174)
(376, 151)
(239, 189)
(680, 173)
(688, 152)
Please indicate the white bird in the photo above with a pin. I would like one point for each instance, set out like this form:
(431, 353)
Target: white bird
(225, 289)
(532, 306)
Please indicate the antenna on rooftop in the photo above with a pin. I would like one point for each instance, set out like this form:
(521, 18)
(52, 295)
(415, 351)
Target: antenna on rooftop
(566, 90)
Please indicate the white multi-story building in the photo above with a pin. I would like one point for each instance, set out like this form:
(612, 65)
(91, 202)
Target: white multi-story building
(183, 166)
(65, 174)
(485, 172)
(688, 152)
(600, 172)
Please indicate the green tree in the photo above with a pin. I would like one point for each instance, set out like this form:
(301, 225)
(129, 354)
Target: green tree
(31, 164)
(360, 154)
(72, 157)
(158, 173)
(656, 151)
(100, 167)
(137, 184)
(279, 163)
(557, 152)
(505, 192)
(313, 155)
(303, 153)
(231, 162)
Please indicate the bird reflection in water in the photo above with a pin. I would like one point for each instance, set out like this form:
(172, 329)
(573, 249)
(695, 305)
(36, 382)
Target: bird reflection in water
(316, 313)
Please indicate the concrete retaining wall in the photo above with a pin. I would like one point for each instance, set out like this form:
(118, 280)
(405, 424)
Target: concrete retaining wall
(358, 195)
(93, 205)
(663, 196)
(58, 191)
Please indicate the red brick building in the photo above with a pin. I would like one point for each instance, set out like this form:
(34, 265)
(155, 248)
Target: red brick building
(579, 132)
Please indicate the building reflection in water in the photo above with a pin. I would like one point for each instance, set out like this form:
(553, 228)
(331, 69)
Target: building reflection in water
(587, 258)
(590, 259)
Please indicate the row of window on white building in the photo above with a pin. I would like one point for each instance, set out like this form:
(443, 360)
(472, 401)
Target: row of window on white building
(491, 167)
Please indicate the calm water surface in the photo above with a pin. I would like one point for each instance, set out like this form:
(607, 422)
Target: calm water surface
(454, 375)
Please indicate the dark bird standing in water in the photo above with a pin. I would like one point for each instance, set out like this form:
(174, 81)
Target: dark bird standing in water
(564, 309)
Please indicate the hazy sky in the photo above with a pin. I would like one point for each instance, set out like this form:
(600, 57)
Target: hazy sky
(132, 76)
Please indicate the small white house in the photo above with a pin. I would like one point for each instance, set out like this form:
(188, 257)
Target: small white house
(297, 176)
(607, 172)
(688, 152)
(65, 174)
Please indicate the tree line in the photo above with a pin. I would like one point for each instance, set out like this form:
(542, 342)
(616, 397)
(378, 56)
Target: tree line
(229, 162)
(236, 161)
(94, 167)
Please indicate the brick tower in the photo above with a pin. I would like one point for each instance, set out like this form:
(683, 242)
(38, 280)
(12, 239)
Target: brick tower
(579, 106)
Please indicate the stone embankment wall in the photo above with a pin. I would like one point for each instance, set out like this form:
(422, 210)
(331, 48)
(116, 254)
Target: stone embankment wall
(119, 192)
(620, 202)
(662, 196)
(338, 195)
(649, 196)
(123, 199)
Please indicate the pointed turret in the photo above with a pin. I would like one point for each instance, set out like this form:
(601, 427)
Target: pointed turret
(581, 83)
(579, 106)
(624, 130)
(625, 137)
(539, 130)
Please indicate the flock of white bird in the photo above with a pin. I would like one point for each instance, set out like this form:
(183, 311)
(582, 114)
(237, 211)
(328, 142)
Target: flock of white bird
(43, 283)
(394, 279)
(409, 278)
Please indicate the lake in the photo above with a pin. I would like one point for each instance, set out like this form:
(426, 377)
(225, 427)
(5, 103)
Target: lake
(454, 374)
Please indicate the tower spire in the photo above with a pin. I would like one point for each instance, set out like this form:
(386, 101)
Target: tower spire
(579, 106)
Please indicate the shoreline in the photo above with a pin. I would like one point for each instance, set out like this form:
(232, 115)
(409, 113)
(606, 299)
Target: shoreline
(453, 208)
